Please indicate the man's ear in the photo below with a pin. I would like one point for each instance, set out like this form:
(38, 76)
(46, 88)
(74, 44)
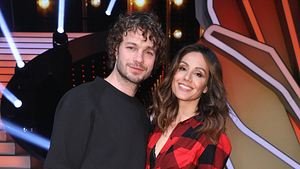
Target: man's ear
(117, 53)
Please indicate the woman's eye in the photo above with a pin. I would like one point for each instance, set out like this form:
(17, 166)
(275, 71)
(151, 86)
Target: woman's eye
(199, 74)
(181, 68)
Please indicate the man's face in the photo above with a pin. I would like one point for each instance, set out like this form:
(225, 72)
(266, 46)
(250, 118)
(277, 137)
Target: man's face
(135, 57)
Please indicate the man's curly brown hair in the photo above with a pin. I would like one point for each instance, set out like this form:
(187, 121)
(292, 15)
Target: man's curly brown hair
(148, 23)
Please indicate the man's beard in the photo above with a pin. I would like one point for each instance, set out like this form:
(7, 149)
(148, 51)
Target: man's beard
(135, 79)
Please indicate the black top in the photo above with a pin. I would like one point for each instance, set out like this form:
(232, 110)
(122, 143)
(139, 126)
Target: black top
(152, 158)
(96, 126)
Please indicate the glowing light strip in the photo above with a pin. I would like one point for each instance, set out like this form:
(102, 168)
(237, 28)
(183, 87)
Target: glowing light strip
(208, 36)
(10, 97)
(46, 34)
(292, 31)
(24, 51)
(5, 57)
(33, 39)
(18, 39)
(7, 71)
(26, 135)
(29, 45)
(260, 140)
(7, 64)
(229, 164)
(212, 13)
(10, 41)
(110, 7)
(5, 78)
(61, 15)
(253, 21)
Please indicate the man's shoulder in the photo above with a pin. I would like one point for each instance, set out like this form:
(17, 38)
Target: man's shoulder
(87, 89)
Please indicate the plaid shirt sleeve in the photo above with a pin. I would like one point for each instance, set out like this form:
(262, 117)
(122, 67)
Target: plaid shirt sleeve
(215, 156)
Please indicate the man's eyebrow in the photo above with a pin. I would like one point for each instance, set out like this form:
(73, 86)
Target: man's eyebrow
(150, 47)
(130, 43)
(133, 43)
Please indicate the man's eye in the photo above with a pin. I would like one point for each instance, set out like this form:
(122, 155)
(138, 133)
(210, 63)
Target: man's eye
(150, 53)
(130, 48)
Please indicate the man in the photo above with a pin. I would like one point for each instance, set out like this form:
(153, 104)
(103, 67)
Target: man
(101, 125)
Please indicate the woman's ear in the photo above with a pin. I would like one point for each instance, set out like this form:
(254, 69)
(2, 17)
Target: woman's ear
(205, 89)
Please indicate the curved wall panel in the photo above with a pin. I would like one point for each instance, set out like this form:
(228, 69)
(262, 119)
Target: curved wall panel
(257, 44)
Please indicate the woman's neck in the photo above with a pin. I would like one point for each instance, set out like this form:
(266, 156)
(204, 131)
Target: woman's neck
(186, 110)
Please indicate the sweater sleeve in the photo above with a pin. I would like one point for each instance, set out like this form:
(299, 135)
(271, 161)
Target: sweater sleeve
(71, 129)
(215, 156)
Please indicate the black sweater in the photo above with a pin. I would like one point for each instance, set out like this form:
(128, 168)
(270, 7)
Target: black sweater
(96, 126)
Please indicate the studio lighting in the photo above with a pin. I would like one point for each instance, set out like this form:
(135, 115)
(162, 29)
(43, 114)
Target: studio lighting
(61, 14)
(140, 3)
(11, 97)
(110, 7)
(25, 134)
(10, 42)
(177, 34)
(178, 2)
(44, 4)
(95, 3)
(60, 39)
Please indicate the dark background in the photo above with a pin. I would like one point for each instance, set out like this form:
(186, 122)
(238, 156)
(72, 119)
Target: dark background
(26, 16)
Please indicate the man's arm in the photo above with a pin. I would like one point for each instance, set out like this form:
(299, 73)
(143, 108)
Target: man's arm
(70, 132)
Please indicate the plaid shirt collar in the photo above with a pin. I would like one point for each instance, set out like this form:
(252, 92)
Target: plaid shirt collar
(193, 121)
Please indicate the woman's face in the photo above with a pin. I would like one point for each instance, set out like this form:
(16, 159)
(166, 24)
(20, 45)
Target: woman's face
(190, 79)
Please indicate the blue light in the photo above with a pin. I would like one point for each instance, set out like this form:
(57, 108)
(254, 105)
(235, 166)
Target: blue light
(11, 97)
(110, 7)
(10, 42)
(61, 14)
(26, 134)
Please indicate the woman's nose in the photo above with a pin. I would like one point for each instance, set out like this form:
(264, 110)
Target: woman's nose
(187, 76)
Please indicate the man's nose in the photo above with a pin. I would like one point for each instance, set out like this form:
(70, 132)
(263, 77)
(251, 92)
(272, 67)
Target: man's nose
(139, 57)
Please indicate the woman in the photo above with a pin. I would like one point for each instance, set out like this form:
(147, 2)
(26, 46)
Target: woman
(190, 112)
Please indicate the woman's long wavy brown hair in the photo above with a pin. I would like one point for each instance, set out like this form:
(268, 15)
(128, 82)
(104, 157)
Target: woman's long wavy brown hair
(212, 106)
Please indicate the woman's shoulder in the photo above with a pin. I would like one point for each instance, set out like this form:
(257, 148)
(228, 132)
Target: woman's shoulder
(224, 143)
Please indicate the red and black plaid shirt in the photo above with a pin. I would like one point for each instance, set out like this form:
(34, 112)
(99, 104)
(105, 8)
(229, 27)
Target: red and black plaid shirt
(185, 149)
